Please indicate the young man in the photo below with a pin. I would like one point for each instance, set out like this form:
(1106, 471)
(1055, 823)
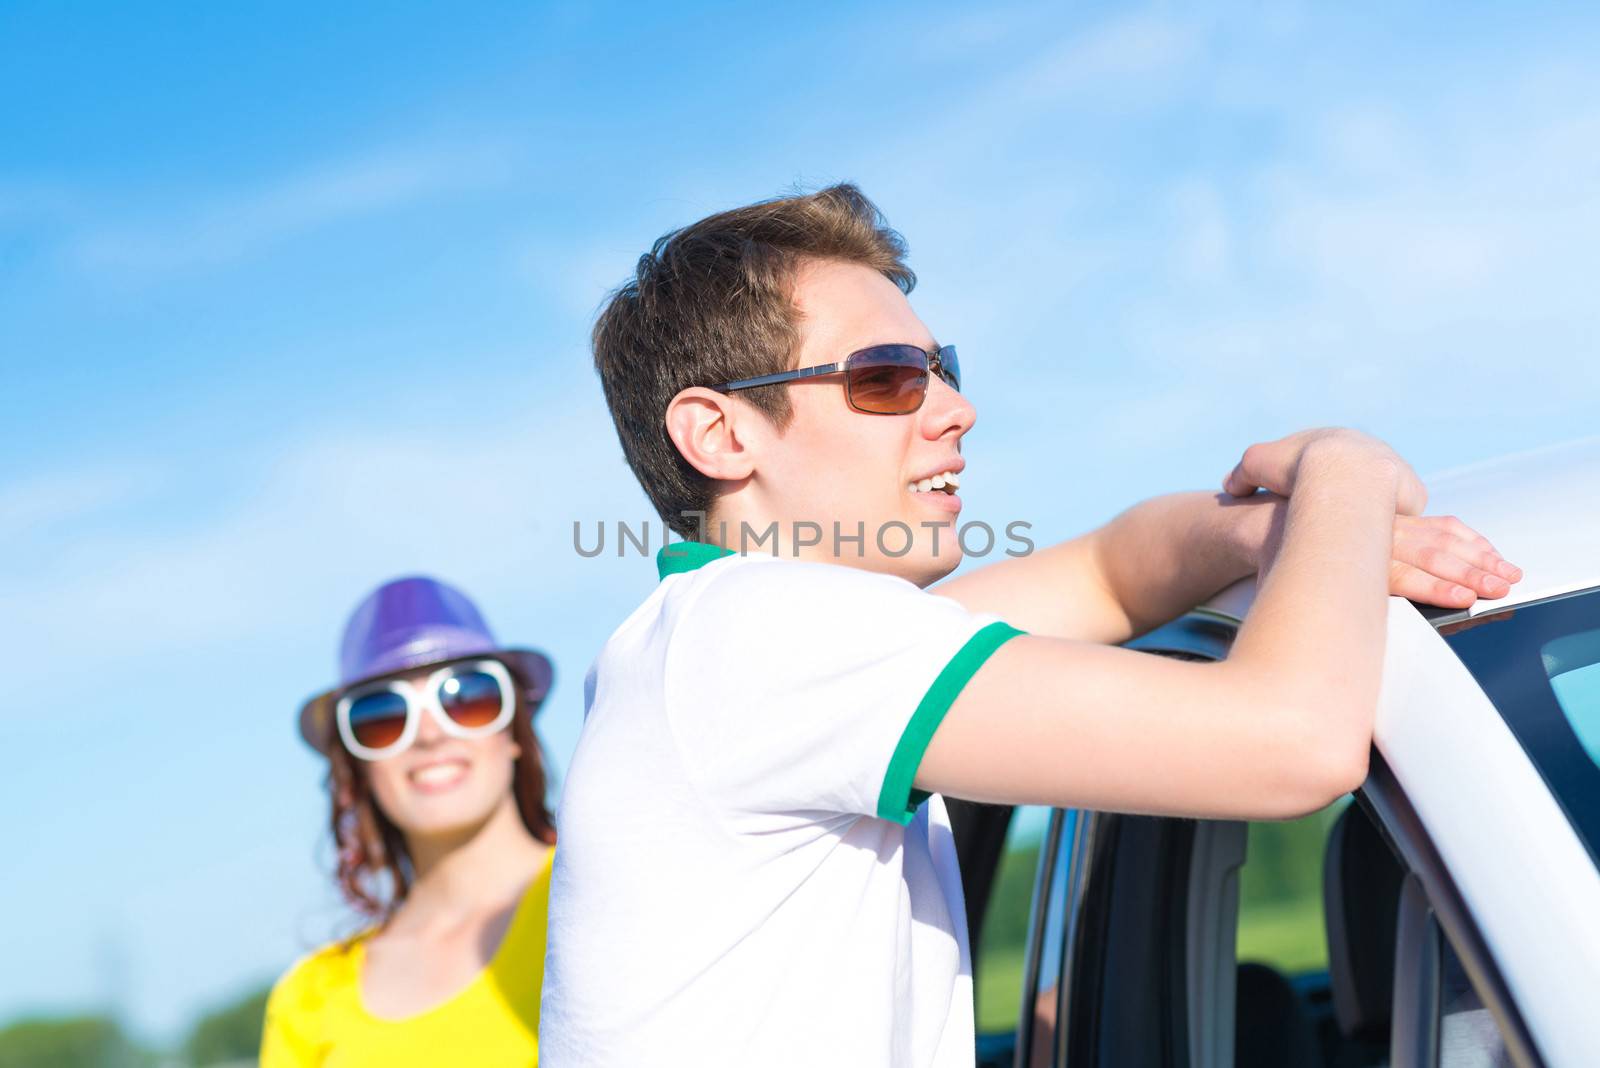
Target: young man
(756, 867)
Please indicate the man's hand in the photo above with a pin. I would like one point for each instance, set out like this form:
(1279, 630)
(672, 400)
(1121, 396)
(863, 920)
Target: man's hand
(1435, 560)
(1439, 560)
(1274, 466)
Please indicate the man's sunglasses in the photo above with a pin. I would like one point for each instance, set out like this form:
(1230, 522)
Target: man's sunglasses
(881, 380)
(468, 699)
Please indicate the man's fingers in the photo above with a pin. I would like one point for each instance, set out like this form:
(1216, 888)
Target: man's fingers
(1417, 585)
(1238, 483)
(1497, 563)
(1443, 563)
(1456, 527)
(1445, 533)
(1475, 553)
(1461, 530)
(1261, 467)
(1439, 560)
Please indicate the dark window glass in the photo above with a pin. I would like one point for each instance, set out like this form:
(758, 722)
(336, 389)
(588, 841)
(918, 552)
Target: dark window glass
(1537, 664)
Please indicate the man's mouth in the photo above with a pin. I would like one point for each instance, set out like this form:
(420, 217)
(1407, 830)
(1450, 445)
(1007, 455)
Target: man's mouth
(944, 482)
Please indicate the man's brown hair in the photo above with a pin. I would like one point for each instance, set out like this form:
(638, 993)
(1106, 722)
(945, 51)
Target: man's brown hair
(714, 302)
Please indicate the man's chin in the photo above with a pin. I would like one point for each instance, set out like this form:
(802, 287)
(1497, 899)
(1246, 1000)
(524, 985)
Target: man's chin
(930, 561)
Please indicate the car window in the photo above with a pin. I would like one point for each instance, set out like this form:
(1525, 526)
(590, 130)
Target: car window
(1003, 943)
(1281, 921)
(1468, 1035)
(1537, 664)
(1573, 664)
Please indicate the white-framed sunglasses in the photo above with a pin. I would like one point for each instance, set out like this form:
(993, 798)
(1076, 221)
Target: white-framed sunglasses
(467, 699)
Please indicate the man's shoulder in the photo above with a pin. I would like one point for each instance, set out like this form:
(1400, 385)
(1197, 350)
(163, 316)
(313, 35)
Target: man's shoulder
(793, 616)
(764, 618)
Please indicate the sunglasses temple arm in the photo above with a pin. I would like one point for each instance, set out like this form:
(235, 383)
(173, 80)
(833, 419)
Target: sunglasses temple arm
(781, 376)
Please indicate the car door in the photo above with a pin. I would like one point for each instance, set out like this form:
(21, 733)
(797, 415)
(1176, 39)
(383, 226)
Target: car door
(1104, 980)
(1139, 955)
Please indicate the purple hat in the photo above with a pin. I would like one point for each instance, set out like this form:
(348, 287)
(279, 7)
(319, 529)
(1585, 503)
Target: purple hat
(413, 623)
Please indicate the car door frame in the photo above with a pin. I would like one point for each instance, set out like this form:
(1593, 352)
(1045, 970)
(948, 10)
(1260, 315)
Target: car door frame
(1431, 894)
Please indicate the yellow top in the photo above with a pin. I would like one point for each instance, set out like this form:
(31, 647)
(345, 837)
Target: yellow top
(315, 1015)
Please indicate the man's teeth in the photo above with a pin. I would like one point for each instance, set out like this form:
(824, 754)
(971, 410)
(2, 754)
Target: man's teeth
(938, 482)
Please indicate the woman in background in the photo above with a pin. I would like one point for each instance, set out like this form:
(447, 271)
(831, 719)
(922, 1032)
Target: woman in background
(444, 842)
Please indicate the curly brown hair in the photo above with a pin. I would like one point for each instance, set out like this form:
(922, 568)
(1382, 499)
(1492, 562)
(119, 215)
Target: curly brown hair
(374, 864)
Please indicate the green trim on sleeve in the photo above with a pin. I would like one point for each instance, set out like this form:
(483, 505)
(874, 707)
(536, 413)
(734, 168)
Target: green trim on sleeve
(678, 556)
(897, 800)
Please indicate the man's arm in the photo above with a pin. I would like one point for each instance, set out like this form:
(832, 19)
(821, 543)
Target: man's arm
(1148, 565)
(1163, 556)
(1280, 728)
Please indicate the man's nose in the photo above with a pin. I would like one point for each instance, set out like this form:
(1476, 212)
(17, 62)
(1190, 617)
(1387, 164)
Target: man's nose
(946, 411)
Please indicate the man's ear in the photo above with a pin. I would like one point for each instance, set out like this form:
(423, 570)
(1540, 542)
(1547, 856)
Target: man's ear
(716, 433)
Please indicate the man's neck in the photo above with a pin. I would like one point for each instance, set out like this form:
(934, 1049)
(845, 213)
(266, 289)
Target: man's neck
(759, 533)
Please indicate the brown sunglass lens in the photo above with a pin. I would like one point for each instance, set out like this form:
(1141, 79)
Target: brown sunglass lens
(472, 698)
(378, 719)
(888, 381)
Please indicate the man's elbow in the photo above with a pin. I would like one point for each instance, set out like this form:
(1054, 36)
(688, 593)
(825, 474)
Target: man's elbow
(1332, 761)
(1317, 735)
(1345, 769)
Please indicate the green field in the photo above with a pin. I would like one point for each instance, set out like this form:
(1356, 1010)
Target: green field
(1288, 936)
(998, 989)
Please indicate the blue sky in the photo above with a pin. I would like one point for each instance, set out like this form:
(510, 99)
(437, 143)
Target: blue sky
(293, 301)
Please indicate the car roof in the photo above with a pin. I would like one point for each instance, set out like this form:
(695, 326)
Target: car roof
(1540, 508)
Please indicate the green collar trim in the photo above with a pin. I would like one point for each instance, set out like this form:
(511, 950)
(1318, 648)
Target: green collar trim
(680, 556)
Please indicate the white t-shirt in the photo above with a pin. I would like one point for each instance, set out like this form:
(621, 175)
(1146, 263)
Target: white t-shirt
(746, 876)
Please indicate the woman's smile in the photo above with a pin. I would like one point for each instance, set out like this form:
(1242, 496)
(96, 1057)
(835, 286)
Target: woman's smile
(438, 776)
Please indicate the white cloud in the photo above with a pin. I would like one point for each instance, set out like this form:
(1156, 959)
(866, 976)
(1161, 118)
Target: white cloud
(1119, 51)
(36, 506)
(1321, 251)
(1450, 254)
(226, 225)
(579, 274)
(480, 498)
(1126, 61)
(1204, 243)
(954, 39)
(30, 203)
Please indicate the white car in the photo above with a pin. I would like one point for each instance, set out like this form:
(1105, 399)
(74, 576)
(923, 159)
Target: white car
(1460, 897)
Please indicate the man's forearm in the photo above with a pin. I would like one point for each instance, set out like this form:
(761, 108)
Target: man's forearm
(1315, 636)
(1165, 555)
(1146, 566)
